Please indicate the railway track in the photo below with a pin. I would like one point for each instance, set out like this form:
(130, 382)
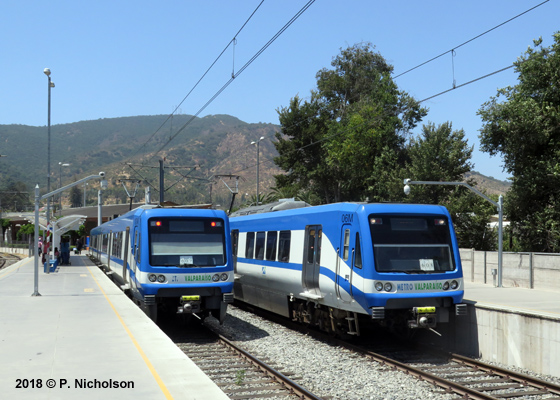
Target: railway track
(7, 259)
(239, 374)
(464, 377)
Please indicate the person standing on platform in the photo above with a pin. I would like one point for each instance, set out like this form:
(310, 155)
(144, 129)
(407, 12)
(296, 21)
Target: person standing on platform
(79, 246)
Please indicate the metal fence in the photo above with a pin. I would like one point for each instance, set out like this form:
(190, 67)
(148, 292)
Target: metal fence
(525, 270)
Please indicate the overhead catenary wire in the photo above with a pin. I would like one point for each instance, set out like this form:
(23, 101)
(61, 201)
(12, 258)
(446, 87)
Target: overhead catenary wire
(269, 160)
(243, 68)
(470, 40)
(454, 85)
(234, 41)
(334, 135)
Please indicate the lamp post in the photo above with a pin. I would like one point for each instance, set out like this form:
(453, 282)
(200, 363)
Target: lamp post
(85, 187)
(258, 143)
(60, 165)
(499, 205)
(47, 72)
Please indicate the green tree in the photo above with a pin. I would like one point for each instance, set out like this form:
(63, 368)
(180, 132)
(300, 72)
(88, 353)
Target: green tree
(347, 141)
(27, 229)
(75, 197)
(522, 124)
(442, 154)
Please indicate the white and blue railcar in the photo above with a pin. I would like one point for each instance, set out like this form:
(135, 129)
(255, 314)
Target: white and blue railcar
(331, 265)
(173, 258)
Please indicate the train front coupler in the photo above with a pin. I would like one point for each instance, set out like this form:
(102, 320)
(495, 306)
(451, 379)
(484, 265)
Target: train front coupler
(423, 317)
(189, 305)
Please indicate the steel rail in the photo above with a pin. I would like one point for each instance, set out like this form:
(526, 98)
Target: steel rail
(292, 386)
(515, 376)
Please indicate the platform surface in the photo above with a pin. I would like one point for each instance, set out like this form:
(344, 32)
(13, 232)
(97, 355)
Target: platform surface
(82, 338)
(529, 301)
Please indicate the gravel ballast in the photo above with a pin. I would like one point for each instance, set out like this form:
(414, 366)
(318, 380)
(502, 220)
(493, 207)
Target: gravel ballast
(325, 370)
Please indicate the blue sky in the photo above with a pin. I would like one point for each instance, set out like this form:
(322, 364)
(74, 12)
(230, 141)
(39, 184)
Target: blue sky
(125, 58)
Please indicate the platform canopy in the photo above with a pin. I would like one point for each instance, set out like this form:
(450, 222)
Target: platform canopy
(59, 226)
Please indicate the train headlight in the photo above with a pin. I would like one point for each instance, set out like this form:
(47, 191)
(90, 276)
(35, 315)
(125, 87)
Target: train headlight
(161, 278)
(215, 278)
(152, 277)
(224, 277)
(454, 285)
(446, 286)
(379, 286)
(388, 287)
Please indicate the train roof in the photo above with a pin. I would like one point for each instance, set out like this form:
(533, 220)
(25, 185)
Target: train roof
(122, 221)
(300, 207)
(280, 205)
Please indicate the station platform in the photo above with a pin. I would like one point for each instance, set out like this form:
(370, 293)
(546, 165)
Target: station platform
(520, 300)
(82, 338)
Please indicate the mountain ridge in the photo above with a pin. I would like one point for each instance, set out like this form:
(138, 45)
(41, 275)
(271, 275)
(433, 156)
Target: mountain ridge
(124, 148)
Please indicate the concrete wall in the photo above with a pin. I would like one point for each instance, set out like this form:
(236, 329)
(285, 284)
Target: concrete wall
(13, 250)
(515, 338)
(525, 270)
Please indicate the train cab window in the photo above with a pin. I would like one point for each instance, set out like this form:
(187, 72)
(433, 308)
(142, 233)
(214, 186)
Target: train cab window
(187, 242)
(346, 248)
(259, 245)
(271, 239)
(415, 244)
(250, 245)
(358, 252)
(284, 246)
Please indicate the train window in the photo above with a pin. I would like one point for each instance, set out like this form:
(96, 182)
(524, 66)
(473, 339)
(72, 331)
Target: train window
(311, 246)
(314, 239)
(358, 252)
(345, 249)
(117, 244)
(318, 255)
(105, 243)
(284, 246)
(234, 241)
(271, 239)
(186, 242)
(139, 248)
(250, 245)
(259, 245)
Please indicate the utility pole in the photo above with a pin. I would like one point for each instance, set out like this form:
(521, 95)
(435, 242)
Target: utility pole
(131, 197)
(233, 192)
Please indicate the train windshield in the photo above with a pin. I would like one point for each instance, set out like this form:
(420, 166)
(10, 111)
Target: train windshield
(187, 242)
(411, 244)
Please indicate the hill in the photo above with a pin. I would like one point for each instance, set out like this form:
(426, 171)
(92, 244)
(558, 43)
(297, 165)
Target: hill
(193, 149)
(217, 144)
(488, 184)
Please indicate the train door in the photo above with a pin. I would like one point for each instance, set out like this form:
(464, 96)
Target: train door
(312, 259)
(125, 255)
(343, 282)
(133, 253)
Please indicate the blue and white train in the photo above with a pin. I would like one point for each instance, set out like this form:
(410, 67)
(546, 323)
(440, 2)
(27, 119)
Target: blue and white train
(178, 259)
(332, 265)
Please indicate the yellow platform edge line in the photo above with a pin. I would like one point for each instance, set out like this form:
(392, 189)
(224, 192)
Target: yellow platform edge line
(136, 344)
